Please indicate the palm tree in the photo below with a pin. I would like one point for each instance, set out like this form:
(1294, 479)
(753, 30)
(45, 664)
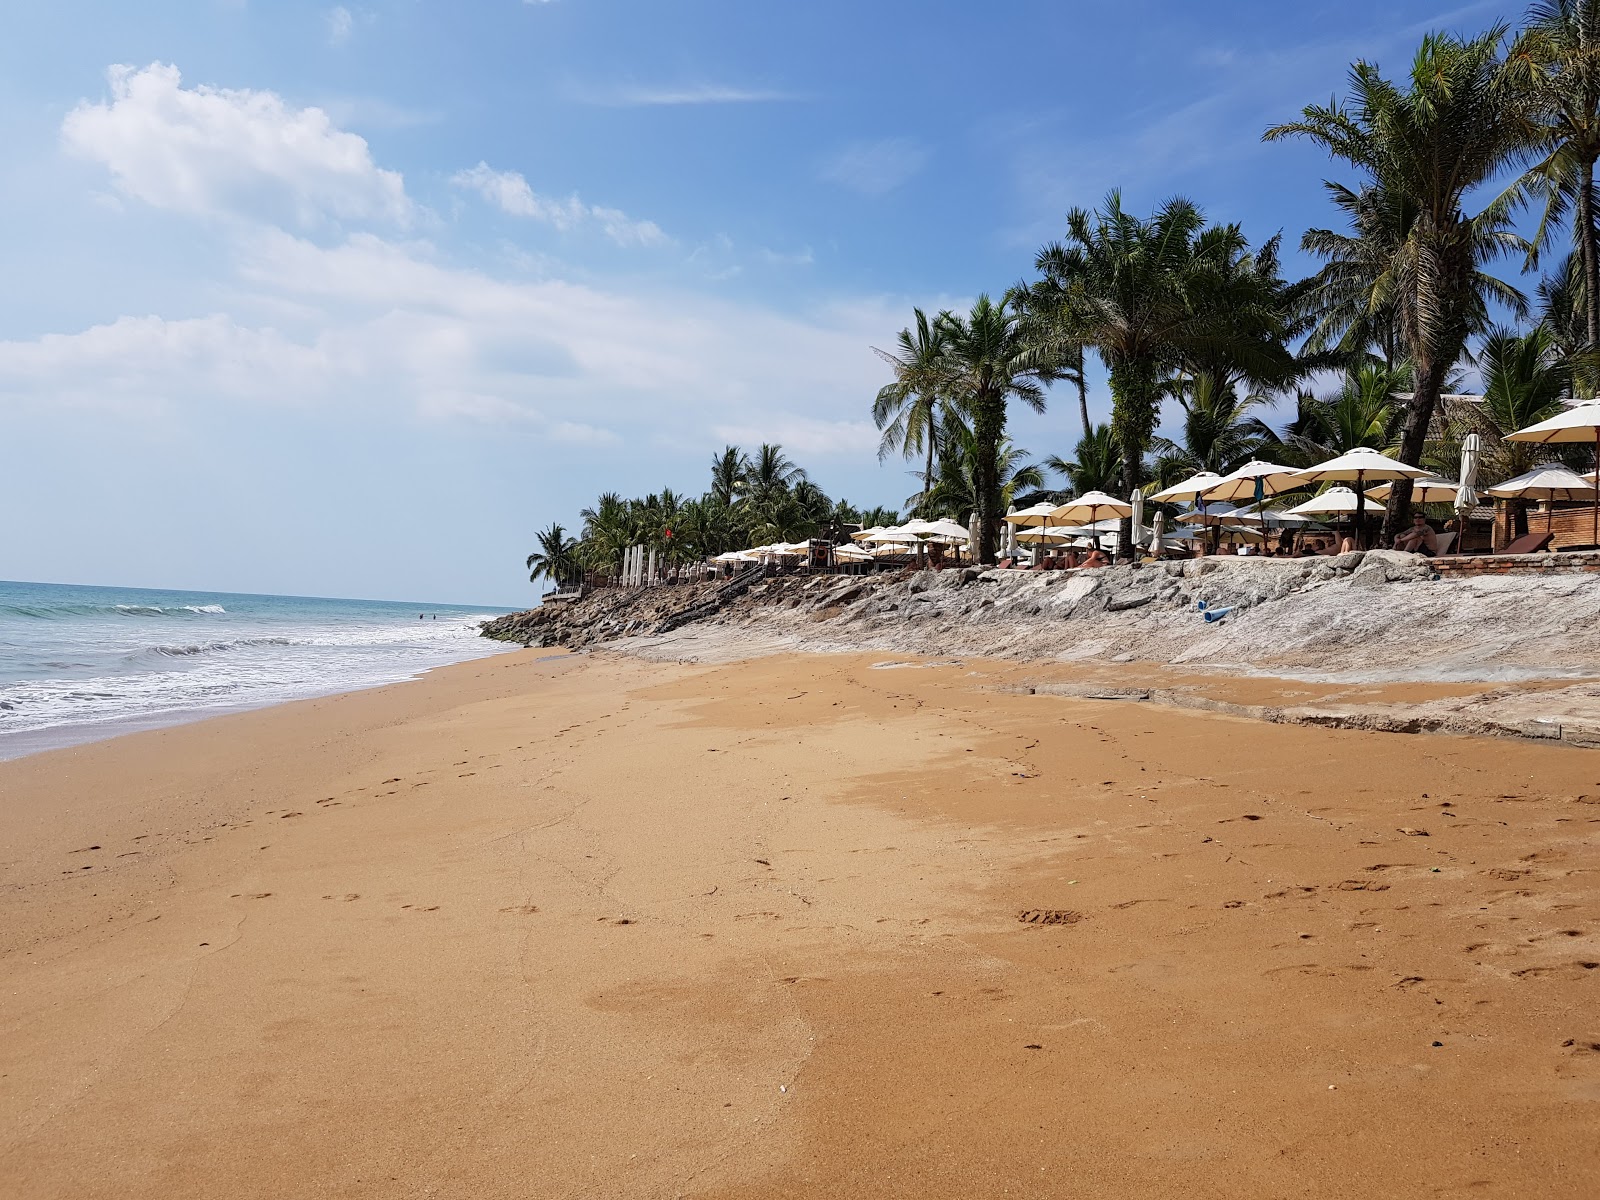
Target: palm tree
(555, 558)
(1218, 432)
(955, 492)
(730, 472)
(1354, 300)
(1525, 377)
(1558, 52)
(992, 362)
(1151, 295)
(1450, 131)
(1363, 412)
(1096, 463)
(907, 409)
(772, 471)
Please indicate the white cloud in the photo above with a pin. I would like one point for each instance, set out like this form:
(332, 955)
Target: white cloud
(635, 96)
(340, 25)
(391, 328)
(509, 192)
(876, 168)
(220, 151)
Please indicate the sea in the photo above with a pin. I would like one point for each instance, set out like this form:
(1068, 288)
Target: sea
(80, 663)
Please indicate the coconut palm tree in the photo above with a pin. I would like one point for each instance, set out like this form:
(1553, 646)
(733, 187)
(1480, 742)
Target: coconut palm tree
(1453, 127)
(771, 471)
(1558, 53)
(730, 472)
(1096, 463)
(1218, 431)
(907, 410)
(556, 557)
(1363, 412)
(992, 362)
(1153, 295)
(961, 457)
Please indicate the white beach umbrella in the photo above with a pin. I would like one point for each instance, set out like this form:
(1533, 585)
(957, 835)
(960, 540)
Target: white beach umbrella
(1088, 507)
(862, 535)
(1136, 503)
(882, 536)
(1037, 514)
(1011, 531)
(1360, 465)
(1190, 489)
(1253, 482)
(1337, 500)
(944, 530)
(1578, 424)
(1158, 528)
(1053, 536)
(1431, 490)
(1471, 450)
(1547, 482)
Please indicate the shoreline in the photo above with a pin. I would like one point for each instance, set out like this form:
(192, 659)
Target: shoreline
(803, 924)
(25, 743)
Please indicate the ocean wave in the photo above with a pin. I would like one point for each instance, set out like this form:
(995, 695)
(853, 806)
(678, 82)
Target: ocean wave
(58, 612)
(212, 647)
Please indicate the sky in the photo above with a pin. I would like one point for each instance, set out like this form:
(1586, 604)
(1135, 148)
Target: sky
(352, 299)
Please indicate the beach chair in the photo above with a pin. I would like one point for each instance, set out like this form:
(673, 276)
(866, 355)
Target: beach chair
(1446, 540)
(1529, 543)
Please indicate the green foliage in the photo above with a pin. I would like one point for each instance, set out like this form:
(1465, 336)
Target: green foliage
(752, 500)
(1096, 463)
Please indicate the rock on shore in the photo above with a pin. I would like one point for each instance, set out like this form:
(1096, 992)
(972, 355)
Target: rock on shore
(1382, 614)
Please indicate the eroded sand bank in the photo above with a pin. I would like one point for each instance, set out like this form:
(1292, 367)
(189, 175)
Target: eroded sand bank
(549, 926)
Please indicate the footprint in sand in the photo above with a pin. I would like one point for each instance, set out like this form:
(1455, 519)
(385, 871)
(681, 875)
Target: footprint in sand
(522, 909)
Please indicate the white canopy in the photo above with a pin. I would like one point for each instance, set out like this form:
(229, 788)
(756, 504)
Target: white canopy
(1335, 500)
(1037, 514)
(1362, 463)
(1090, 507)
(1241, 484)
(879, 536)
(943, 529)
(1546, 482)
(1432, 490)
(1189, 489)
(862, 535)
(1579, 424)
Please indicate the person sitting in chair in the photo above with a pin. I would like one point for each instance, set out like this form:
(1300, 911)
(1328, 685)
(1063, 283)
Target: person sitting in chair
(1419, 539)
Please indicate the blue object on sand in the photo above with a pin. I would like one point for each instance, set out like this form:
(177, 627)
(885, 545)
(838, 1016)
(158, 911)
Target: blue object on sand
(1216, 614)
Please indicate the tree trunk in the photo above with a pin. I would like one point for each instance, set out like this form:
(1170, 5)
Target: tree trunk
(1135, 403)
(988, 427)
(1083, 392)
(927, 474)
(1588, 252)
(1428, 383)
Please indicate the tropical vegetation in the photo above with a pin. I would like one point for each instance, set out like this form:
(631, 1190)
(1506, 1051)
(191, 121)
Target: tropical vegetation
(1475, 162)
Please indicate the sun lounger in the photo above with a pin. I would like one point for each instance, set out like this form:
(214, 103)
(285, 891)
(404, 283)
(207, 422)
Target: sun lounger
(1529, 543)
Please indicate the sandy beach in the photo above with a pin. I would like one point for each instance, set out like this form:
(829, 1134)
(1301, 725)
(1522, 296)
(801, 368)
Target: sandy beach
(544, 925)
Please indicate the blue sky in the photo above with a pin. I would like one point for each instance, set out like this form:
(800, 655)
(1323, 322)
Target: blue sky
(349, 300)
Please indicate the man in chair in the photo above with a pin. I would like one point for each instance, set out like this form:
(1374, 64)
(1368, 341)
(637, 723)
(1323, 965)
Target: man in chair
(1419, 539)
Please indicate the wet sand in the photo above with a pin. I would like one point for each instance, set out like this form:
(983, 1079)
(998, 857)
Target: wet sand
(538, 926)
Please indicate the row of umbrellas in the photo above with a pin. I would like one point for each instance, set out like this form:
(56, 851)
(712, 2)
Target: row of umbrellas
(1255, 482)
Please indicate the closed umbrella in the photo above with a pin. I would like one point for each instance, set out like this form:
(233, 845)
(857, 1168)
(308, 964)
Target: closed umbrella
(1011, 532)
(1361, 464)
(1466, 498)
(1157, 528)
(1578, 424)
(1548, 482)
(1136, 502)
